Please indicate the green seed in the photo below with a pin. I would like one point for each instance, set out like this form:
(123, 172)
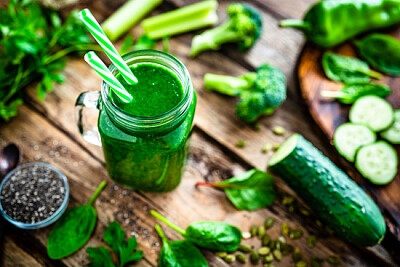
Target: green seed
(265, 240)
(281, 240)
(291, 208)
(264, 251)
(269, 223)
(272, 244)
(253, 230)
(319, 223)
(241, 143)
(286, 249)
(229, 258)
(287, 200)
(246, 235)
(254, 257)
(256, 126)
(285, 229)
(276, 146)
(297, 255)
(333, 260)
(244, 248)
(269, 258)
(261, 231)
(296, 234)
(279, 130)
(277, 255)
(266, 148)
(269, 265)
(241, 257)
(301, 264)
(221, 254)
(316, 262)
(305, 212)
(311, 241)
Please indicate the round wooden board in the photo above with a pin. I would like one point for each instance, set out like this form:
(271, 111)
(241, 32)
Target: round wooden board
(329, 114)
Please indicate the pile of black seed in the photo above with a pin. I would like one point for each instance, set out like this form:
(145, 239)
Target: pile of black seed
(32, 194)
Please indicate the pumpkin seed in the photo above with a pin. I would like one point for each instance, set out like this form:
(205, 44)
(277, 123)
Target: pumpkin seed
(269, 258)
(266, 148)
(253, 230)
(281, 240)
(333, 260)
(276, 146)
(286, 249)
(287, 200)
(221, 254)
(269, 265)
(311, 241)
(254, 257)
(301, 264)
(264, 251)
(241, 143)
(244, 248)
(316, 262)
(265, 240)
(279, 130)
(305, 212)
(229, 258)
(297, 256)
(241, 257)
(256, 126)
(319, 223)
(291, 208)
(269, 223)
(296, 234)
(272, 244)
(261, 231)
(277, 254)
(285, 229)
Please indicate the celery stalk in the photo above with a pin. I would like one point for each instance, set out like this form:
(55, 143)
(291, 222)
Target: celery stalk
(127, 16)
(185, 19)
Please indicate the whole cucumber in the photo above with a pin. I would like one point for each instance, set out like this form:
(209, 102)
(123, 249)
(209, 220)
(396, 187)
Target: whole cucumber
(338, 201)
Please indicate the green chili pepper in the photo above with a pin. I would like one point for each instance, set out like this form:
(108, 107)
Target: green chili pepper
(215, 236)
(331, 22)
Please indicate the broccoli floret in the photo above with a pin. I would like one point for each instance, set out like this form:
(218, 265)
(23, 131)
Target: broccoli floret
(243, 27)
(260, 92)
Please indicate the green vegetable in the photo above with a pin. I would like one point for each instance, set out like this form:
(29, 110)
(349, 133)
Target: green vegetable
(381, 51)
(124, 251)
(349, 93)
(181, 20)
(330, 22)
(180, 253)
(127, 16)
(339, 202)
(260, 92)
(251, 190)
(215, 236)
(33, 46)
(392, 134)
(243, 26)
(254, 257)
(347, 69)
(241, 257)
(73, 229)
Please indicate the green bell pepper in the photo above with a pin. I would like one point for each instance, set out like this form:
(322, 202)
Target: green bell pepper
(331, 22)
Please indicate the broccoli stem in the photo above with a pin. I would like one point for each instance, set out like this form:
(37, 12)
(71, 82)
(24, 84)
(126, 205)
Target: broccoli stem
(167, 222)
(224, 84)
(295, 23)
(333, 94)
(182, 20)
(214, 38)
(126, 16)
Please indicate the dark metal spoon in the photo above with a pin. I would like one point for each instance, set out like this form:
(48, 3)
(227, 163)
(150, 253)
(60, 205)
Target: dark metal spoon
(9, 159)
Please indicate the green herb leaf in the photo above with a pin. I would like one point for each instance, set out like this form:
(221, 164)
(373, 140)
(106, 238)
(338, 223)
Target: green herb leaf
(128, 253)
(347, 69)
(126, 44)
(73, 229)
(144, 42)
(100, 257)
(251, 190)
(114, 236)
(180, 253)
(381, 51)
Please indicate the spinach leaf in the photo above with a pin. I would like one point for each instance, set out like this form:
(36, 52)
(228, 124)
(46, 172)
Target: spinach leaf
(351, 92)
(381, 51)
(347, 69)
(100, 257)
(73, 229)
(251, 190)
(215, 236)
(180, 253)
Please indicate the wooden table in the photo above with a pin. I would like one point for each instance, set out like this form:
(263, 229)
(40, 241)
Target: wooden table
(47, 132)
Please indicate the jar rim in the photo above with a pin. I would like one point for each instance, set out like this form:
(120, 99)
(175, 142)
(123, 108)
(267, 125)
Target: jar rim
(129, 121)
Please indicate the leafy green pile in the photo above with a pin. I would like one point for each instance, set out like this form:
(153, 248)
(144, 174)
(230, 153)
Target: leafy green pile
(124, 250)
(33, 45)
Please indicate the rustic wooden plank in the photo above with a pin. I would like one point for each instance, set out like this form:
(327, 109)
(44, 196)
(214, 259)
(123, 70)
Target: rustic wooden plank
(13, 255)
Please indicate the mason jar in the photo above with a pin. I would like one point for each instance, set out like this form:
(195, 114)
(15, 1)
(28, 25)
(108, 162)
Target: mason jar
(143, 153)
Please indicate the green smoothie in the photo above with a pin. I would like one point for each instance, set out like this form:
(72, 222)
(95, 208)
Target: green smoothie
(153, 161)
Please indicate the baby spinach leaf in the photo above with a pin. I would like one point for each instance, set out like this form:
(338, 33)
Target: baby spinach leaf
(180, 253)
(215, 236)
(73, 229)
(251, 190)
(347, 69)
(100, 257)
(381, 51)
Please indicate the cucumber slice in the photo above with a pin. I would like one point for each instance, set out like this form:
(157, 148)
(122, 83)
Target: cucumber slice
(377, 162)
(349, 137)
(393, 133)
(372, 111)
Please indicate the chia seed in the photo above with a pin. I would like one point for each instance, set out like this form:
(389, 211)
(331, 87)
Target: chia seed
(32, 194)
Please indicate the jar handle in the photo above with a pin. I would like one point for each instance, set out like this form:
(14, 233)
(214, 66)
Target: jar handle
(86, 127)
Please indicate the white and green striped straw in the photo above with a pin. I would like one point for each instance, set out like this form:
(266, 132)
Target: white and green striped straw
(94, 28)
(95, 62)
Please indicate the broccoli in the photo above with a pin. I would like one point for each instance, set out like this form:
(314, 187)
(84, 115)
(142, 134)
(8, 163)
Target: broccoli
(243, 27)
(260, 92)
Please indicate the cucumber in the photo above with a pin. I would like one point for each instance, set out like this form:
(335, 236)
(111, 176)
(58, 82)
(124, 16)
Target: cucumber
(372, 111)
(349, 137)
(339, 202)
(393, 133)
(377, 162)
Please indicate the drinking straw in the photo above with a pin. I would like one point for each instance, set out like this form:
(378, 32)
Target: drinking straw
(95, 62)
(94, 28)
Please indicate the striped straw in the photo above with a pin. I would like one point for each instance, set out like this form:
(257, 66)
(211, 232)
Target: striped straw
(95, 62)
(94, 28)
